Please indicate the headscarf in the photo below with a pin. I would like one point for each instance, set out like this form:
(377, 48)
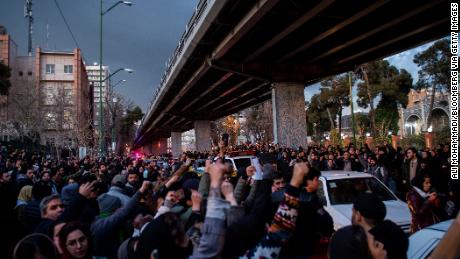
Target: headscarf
(25, 195)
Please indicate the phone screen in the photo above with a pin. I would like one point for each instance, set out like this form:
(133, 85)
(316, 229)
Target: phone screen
(255, 162)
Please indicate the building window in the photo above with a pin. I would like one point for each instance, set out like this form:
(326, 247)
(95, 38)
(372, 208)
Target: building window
(68, 69)
(50, 68)
(50, 120)
(20, 73)
(68, 96)
(29, 73)
(68, 120)
(49, 95)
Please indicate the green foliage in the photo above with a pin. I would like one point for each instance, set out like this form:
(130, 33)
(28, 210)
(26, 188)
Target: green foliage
(442, 136)
(335, 137)
(386, 81)
(333, 96)
(5, 74)
(434, 65)
(382, 140)
(386, 117)
(417, 141)
(135, 114)
(317, 116)
(335, 91)
(363, 123)
(392, 86)
(127, 122)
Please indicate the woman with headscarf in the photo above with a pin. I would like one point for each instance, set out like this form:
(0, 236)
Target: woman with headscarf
(25, 196)
(421, 201)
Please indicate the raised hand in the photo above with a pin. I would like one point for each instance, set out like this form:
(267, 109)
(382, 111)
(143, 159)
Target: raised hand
(208, 164)
(216, 172)
(188, 162)
(196, 200)
(227, 191)
(171, 197)
(300, 171)
(86, 188)
(172, 180)
(145, 186)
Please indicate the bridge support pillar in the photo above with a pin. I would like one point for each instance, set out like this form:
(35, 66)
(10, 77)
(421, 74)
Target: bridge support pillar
(203, 135)
(289, 123)
(160, 147)
(176, 143)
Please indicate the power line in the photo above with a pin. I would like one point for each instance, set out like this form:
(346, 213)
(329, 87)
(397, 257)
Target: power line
(67, 24)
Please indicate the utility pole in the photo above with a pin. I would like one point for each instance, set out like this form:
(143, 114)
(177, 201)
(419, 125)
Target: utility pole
(28, 14)
(101, 109)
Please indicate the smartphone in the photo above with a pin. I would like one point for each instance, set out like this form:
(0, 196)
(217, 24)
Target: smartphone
(256, 163)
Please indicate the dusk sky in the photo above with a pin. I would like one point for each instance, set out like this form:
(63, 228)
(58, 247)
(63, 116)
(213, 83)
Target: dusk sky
(141, 37)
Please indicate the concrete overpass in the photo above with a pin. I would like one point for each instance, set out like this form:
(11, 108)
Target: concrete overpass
(234, 54)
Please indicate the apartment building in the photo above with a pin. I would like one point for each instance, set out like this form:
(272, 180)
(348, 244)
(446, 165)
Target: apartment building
(94, 79)
(65, 97)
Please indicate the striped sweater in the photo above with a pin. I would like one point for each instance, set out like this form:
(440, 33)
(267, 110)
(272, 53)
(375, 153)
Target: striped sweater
(281, 228)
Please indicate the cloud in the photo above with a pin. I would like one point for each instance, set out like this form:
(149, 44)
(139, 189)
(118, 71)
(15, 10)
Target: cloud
(141, 37)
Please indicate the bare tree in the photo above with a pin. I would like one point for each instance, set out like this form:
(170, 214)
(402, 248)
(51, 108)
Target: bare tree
(116, 107)
(259, 122)
(24, 110)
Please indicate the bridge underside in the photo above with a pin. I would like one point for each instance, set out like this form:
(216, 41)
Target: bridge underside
(250, 47)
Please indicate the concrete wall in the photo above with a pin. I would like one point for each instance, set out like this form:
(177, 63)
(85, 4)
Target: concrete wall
(176, 143)
(203, 135)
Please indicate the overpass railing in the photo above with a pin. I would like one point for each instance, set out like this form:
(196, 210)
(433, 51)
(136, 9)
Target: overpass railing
(172, 61)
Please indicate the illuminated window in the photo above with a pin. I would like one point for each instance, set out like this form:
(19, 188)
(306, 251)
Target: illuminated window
(50, 120)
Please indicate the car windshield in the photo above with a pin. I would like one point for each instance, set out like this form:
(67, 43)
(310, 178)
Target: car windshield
(344, 191)
(242, 162)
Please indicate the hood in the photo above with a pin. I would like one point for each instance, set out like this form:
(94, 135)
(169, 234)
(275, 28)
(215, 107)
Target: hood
(397, 211)
(69, 192)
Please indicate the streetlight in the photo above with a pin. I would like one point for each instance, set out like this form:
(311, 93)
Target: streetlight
(101, 117)
(129, 70)
(117, 83)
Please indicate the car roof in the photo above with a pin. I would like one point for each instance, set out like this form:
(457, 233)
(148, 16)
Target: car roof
(238, 157)
(340, 174)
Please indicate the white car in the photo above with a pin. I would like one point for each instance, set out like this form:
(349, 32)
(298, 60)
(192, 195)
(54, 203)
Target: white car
(338, 189)
(423, 242)
(238, 162)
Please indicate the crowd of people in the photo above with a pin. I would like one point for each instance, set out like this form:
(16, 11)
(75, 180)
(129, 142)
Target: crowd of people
(200, 206)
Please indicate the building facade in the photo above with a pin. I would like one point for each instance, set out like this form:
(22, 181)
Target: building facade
(65, 98)
(8, 53)
(414, 119)
(94, 79)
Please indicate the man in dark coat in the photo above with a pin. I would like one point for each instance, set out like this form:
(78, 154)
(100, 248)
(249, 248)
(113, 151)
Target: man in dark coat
(313, 222)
